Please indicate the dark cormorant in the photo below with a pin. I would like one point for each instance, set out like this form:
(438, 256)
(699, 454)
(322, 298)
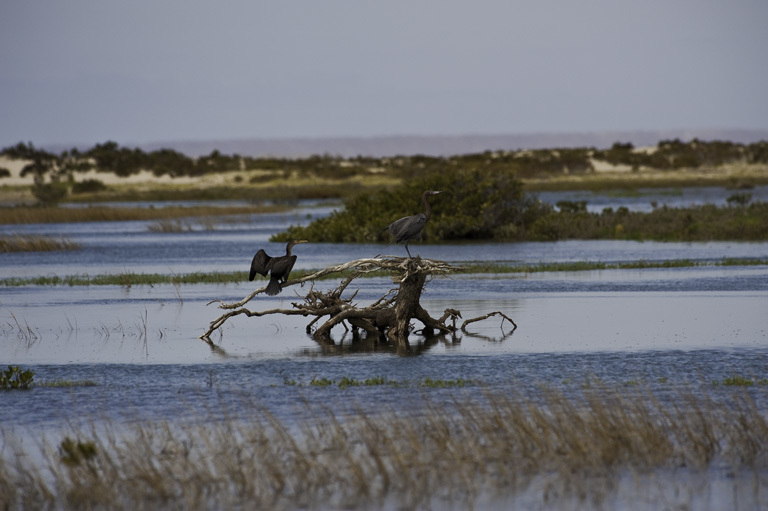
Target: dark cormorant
(280, 267)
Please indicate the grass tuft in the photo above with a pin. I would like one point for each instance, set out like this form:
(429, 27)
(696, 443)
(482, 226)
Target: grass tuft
(32, 243)
(574, 449)
(151, 279)
(38, 215)
(62, 383)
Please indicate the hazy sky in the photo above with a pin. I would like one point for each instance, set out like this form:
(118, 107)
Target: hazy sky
(87, 71)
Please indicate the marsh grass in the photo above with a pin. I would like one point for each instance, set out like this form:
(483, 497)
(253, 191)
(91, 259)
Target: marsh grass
(740, 381)
(705, 222)
(577, 266)
(205, 223)
(33, 243)
(170, 225)
(547, 446)
(38, 215)
(288, 190)
(63, 383)
(346, 382)
(599, 182)
(129, 279)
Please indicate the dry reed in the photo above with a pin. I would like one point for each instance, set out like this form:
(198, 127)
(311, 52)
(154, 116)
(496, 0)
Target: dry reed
(37, 215)
(546, 447)
(32, 243)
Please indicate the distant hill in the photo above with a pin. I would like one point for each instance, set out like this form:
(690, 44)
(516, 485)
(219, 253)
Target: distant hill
(437, 145)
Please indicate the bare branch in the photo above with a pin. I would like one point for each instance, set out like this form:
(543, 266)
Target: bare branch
(389, 316)
(480, 318)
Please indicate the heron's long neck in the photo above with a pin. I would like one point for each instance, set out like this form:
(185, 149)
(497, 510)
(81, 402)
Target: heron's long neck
(427, 209)
(288, 248)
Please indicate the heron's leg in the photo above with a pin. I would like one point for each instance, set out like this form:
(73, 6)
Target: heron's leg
(406, 249)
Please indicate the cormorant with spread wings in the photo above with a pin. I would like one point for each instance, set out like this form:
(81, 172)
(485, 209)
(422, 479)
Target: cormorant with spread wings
(279, 267)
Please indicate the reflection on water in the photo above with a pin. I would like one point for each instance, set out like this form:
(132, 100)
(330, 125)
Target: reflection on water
(161, 325)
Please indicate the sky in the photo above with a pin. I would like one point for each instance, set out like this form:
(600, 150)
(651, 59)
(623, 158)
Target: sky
(88, 71)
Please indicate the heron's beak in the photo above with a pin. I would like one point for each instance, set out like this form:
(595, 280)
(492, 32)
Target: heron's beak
(302, 241)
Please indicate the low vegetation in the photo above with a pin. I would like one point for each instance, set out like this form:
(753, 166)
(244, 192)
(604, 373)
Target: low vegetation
(124, 161)
(64, 383)
(40, 215)
(576, 448)
(473, 205)
(493, 206)
(484, 195)
(152, 279)
(697, 223)
(129, 279)
(55, 175)
(33, 243)
(16, 378)
(740, 381)
(346, 382)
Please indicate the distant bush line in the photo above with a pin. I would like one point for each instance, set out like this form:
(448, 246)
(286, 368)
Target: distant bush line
(697, 223)
(124, 161)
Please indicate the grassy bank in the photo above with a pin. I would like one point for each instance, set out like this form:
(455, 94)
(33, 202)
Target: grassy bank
(730, 177)
(589, 447)
(32, 243)
(697, 223)
(39, 215)
(151, 279)
(231, 188)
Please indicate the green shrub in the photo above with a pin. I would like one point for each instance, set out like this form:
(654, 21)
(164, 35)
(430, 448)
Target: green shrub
(320, 382)
(738, 381)
(698, 223)
(73, 453)
(15, 378)
(567, 206)
(88, 186)
(474, 205)
(739, 199)
(49, 193)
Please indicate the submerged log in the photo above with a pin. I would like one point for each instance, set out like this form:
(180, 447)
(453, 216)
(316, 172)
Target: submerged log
(388, 319)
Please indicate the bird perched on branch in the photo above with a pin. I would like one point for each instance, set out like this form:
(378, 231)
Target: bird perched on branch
(280, 267)
(409, 227)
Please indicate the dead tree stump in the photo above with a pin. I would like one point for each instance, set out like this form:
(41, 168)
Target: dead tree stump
(387, 319)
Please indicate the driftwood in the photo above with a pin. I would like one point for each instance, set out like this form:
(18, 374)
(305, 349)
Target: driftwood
(386, 319)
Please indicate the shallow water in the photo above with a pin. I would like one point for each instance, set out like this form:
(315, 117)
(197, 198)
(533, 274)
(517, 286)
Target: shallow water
(688, 308)
(658, 329)
(646, 199)
(140, 344)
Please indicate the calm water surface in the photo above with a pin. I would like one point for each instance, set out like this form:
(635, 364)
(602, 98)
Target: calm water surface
(658, 330)
(141, 343)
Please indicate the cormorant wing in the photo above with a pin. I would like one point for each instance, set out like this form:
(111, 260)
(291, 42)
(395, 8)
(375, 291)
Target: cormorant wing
(282, 266)
(261, 264)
